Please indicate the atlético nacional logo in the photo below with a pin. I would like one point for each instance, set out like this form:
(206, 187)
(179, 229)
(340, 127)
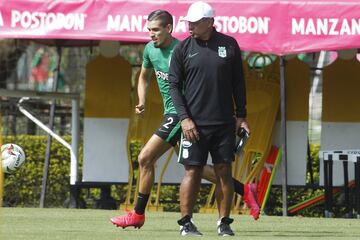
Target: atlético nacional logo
(222, 52)
(185, 148)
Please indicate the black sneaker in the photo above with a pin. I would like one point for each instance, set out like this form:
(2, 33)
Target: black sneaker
(187, 227)
(224, 228)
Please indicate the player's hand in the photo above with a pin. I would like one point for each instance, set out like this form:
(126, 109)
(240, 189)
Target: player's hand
(189, 130)
(140, 109)
(242, 123)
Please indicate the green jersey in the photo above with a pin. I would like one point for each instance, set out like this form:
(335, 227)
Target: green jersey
(159, 60)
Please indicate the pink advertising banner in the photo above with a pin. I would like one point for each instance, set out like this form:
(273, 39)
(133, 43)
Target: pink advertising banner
(279, 27)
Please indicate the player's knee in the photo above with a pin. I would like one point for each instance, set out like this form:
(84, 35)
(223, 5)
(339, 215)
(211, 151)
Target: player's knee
(223, 170)
(145, 160)
(191, 171)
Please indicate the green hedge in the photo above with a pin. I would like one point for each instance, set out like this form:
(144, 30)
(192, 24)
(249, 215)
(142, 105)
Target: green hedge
(23, 188)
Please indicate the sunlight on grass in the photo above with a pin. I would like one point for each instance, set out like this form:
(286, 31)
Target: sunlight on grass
(41, 224)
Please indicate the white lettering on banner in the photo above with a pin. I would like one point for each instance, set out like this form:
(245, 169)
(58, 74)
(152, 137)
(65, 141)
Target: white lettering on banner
(125, 24)
(136, 23)
(121, 23)
(1, 20)
(225, 24)
(310, 28)
(48, 21)
(180, 26)
(232, 24)
(113, 24)
(333, 23)
(325, 26)
(345, 28)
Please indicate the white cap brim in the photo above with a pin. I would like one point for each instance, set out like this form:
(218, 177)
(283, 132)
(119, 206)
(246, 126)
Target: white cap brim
(191, 19)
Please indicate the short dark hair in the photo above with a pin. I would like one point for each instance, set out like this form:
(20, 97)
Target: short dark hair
(165, 17)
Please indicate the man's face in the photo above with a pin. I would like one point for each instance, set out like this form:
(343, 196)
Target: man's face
(159, 34)
(200, 28)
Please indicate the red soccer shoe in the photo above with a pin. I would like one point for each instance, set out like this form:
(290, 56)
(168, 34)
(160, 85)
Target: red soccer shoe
(130, 219)
(250, 198)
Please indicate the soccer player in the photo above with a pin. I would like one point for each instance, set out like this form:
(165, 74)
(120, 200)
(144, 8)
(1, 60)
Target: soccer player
(157, 55)
(206, 79)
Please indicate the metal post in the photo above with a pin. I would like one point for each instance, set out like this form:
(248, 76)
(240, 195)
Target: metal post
(331, 163)
(346, 190)
(309, 163)
(326, 186)
(47, 157)
(75, 132)
(49, 140)
(283, 134)
(75, 136)
(357, 186)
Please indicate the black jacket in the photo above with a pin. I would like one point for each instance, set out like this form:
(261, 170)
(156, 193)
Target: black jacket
(206, 79)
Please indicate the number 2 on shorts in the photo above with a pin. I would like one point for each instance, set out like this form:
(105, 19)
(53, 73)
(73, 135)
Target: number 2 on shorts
(170, 121)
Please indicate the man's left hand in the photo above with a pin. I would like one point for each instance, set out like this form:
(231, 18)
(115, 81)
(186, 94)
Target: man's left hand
(242, 123)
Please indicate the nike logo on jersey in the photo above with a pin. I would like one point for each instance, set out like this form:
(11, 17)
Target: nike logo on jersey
(193, 55)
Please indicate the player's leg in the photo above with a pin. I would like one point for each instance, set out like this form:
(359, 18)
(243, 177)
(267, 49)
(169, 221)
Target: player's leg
(248, 190)
(188, 192)
(148, 156)
(163, 139)
(222, 153)
(193, 156)
(209, 175)
(189, 189)
(153, 149)
(225, 190)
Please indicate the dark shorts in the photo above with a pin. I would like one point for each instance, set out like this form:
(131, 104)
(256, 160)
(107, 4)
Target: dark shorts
(217, 140)
(170, 129)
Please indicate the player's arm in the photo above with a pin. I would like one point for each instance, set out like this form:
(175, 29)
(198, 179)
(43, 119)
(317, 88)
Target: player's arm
(176, 80)
(143, 82)
(239, 91)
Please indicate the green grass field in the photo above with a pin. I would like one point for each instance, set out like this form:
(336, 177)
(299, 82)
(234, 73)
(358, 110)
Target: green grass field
(39, 224)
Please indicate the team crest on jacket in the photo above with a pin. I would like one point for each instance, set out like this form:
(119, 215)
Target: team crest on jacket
(222, 52)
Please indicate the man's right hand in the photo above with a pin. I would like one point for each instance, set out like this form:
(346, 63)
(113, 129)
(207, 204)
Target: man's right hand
(189, 130)
(140, 109)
